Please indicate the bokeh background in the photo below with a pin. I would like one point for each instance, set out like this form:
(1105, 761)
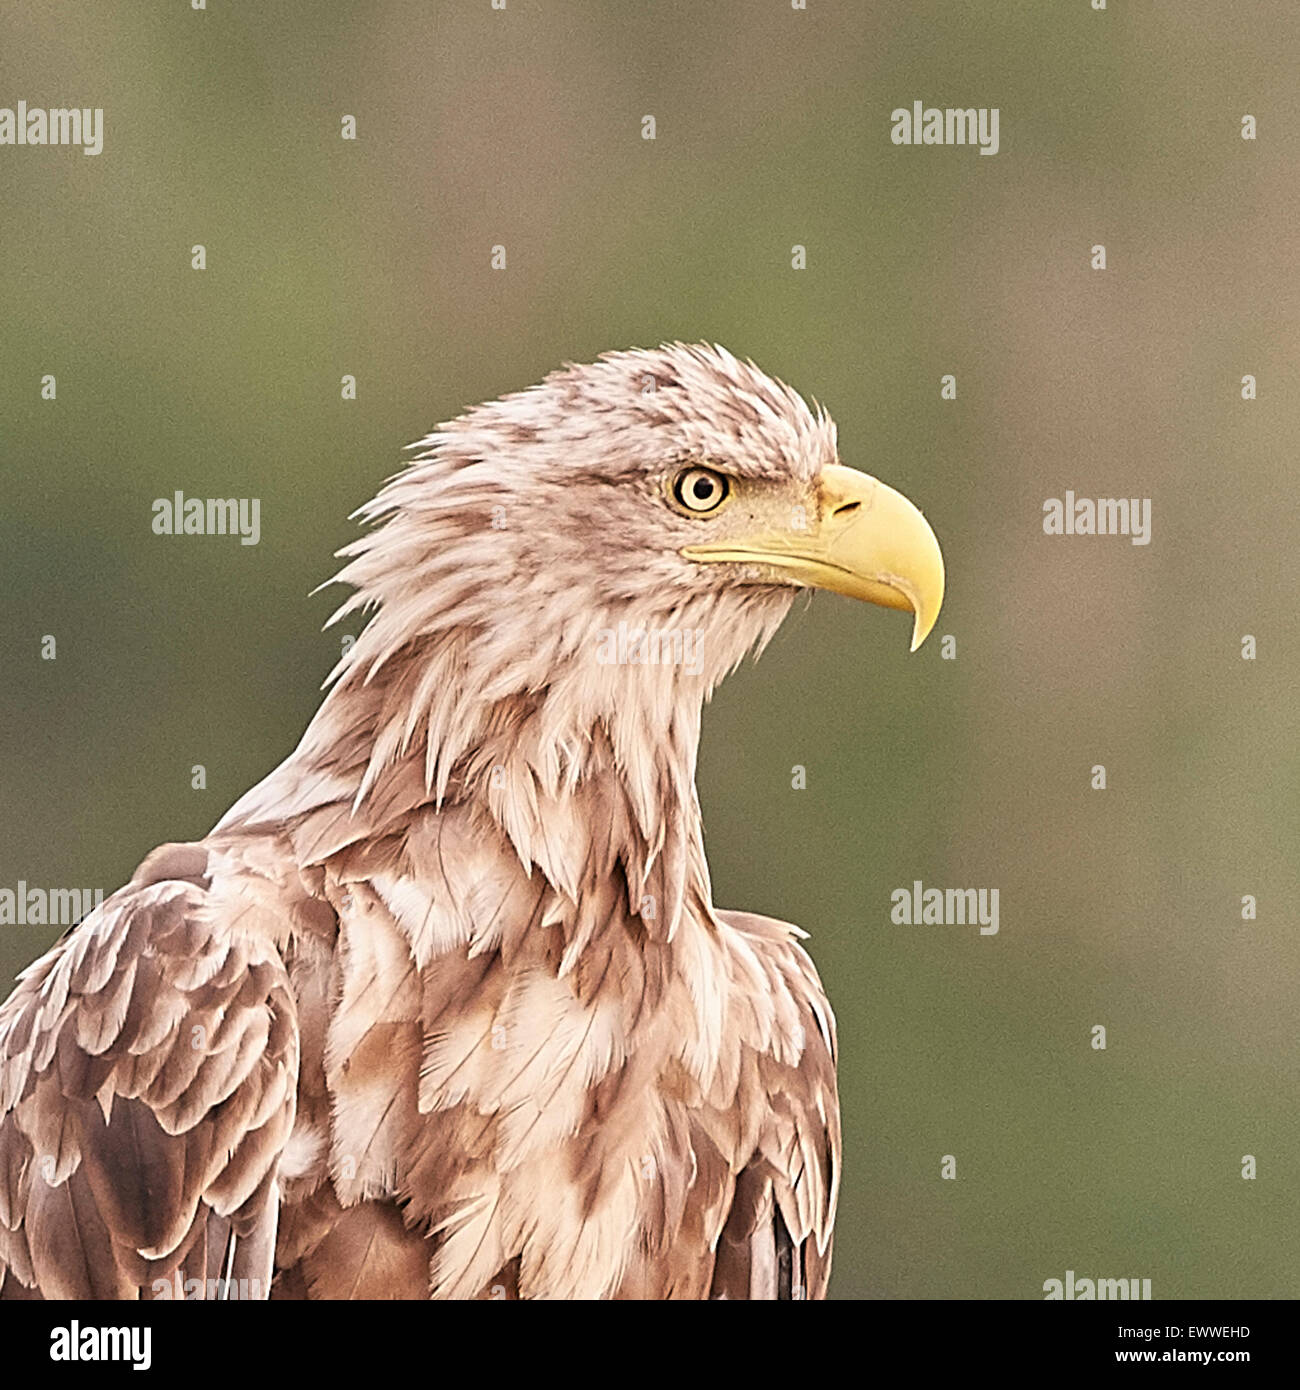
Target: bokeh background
(523, 128)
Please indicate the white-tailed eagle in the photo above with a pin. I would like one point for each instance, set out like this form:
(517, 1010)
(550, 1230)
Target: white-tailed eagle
(443, 1007)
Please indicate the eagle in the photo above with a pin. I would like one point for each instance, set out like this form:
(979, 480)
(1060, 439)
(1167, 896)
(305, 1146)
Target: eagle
(443, 1007)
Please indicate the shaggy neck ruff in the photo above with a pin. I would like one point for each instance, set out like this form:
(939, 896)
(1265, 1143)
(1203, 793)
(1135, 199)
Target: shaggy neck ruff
(570, 725)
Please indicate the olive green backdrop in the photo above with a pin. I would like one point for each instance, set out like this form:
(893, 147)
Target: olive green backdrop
(523, 128)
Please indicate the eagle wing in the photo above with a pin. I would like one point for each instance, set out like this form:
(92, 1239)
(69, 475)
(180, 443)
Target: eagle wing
(148, 1071)
(776, 1240)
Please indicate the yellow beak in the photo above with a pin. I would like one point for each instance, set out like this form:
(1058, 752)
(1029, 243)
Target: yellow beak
(868, 542)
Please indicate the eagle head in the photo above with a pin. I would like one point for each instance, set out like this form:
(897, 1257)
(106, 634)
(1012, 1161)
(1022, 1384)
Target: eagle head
(651, 509)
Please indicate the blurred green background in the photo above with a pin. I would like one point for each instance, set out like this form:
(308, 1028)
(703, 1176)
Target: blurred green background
(523, 128)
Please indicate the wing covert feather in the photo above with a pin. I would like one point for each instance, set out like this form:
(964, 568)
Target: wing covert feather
(776, 1241)
(148, 1073)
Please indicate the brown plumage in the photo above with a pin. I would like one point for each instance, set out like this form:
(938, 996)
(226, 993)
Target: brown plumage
(443, 1007)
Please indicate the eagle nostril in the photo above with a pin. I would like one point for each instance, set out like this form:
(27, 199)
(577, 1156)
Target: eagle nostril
(847, 507)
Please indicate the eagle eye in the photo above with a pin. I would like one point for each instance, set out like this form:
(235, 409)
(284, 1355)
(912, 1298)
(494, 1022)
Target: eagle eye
(700, 490)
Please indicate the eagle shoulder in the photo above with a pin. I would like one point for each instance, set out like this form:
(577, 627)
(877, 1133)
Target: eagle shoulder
(148, 1071)
(776, 1240)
